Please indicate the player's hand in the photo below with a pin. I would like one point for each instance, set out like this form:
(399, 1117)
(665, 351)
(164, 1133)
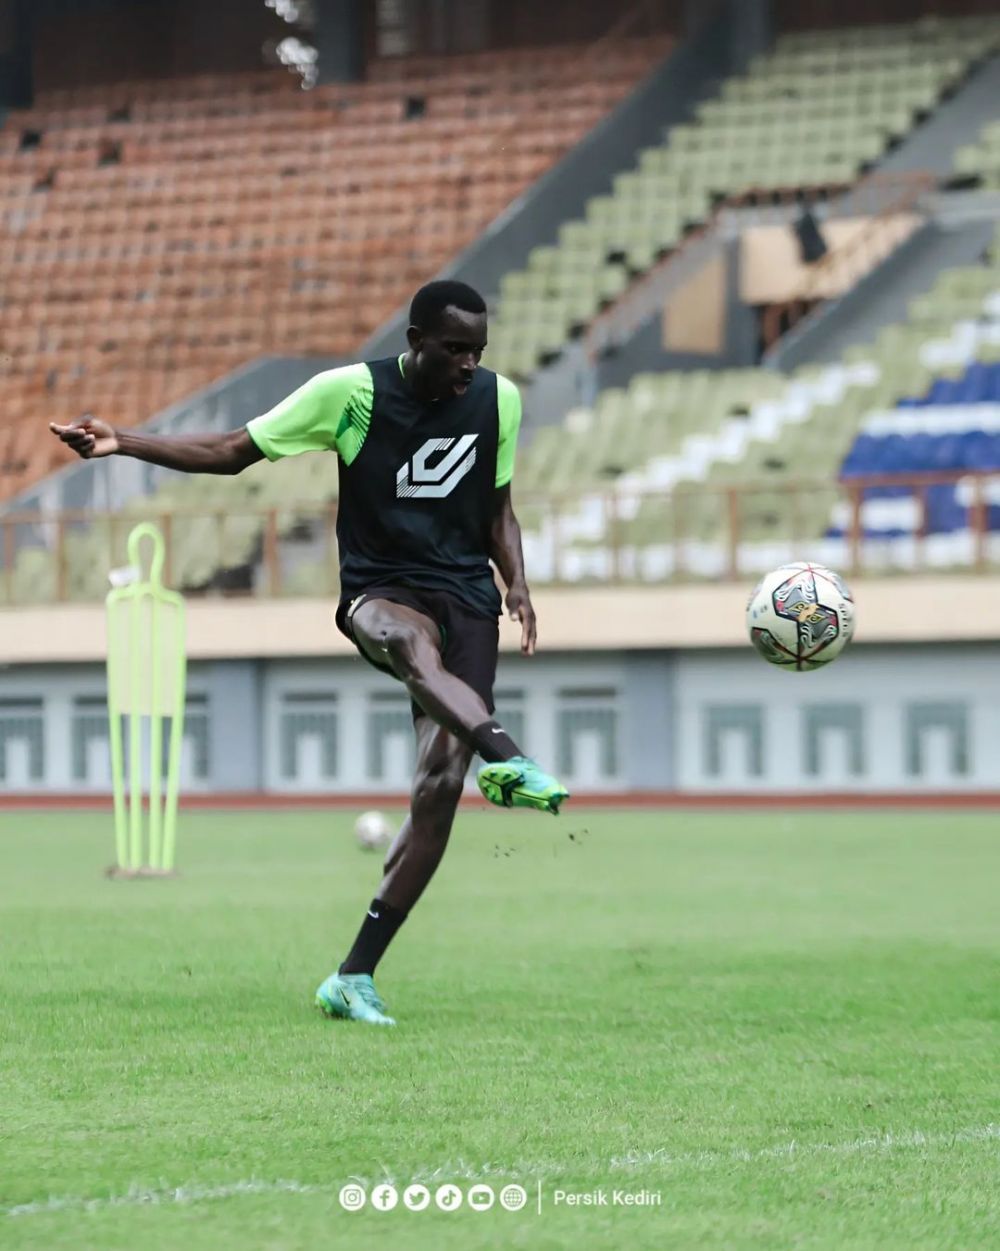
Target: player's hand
(87, 436)
(520, 609)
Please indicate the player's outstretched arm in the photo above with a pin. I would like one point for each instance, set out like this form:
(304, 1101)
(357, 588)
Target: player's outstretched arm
(227, 453)
(508, 556)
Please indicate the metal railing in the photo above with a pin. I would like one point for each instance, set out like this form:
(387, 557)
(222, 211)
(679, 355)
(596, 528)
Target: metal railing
(929, 521)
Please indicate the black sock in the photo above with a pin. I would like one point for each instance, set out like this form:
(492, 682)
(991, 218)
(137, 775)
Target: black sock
(377, 931)
(493, 743)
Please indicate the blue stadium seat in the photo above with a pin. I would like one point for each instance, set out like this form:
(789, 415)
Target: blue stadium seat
(966, 438)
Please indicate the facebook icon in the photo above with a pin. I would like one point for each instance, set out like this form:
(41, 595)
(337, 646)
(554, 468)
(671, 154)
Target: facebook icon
(384, 1197)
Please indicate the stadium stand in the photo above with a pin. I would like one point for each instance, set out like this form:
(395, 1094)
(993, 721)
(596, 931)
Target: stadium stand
(812, 114)
(638, 485)
(641, 486)
(658, 457)
(155, 235)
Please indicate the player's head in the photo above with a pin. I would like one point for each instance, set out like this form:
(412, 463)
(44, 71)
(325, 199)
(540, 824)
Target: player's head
(447, 334)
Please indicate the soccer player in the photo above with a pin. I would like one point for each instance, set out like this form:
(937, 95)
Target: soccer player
(426, 444)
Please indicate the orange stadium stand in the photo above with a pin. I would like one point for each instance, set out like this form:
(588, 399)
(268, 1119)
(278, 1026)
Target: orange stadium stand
(155, 235)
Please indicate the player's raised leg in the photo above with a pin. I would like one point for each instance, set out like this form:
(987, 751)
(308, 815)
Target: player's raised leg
(409, 643)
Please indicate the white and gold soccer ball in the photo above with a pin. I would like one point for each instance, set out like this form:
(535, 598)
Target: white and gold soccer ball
(373, 831)
(800, 616)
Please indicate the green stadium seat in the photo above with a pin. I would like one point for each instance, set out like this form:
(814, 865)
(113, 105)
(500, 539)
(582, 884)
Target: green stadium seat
(807, 114)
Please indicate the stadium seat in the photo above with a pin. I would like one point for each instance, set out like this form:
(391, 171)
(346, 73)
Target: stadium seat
(238, 219)
(810, 114)
(668, 447)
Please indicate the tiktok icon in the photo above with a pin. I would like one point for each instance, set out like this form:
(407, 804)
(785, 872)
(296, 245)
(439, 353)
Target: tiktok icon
(448, 1197)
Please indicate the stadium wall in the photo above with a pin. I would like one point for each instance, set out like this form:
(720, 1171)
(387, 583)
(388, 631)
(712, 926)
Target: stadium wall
(15, 44)
(432, 27)
(952, 608)
(76, 43)
(624, 718)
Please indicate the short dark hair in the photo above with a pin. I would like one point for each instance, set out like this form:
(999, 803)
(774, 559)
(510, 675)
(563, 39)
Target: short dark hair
(431, 300)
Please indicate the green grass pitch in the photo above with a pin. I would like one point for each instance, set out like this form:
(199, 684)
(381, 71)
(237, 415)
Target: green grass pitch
(787, 1024)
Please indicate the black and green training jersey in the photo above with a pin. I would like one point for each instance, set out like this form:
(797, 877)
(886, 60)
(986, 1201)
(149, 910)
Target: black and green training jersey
(417, 479)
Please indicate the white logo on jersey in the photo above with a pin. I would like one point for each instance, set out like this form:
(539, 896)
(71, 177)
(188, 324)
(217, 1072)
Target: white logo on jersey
(416, 477)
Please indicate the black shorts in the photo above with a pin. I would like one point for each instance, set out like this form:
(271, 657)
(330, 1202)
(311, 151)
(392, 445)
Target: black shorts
(469, 642)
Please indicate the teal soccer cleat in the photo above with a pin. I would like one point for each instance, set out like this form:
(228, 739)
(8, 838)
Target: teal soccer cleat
(353, 997)
(520, 783)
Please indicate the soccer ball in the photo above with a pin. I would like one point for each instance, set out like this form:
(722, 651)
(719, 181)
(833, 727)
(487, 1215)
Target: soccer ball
(800, 616)
(373, 831)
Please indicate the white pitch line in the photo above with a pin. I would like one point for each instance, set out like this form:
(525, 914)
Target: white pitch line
(460, 1170)
(856, 1146)
(142, 1196)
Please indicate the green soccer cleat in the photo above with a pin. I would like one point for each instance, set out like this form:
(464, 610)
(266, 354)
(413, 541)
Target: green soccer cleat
(520, 783)
(353, 997)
